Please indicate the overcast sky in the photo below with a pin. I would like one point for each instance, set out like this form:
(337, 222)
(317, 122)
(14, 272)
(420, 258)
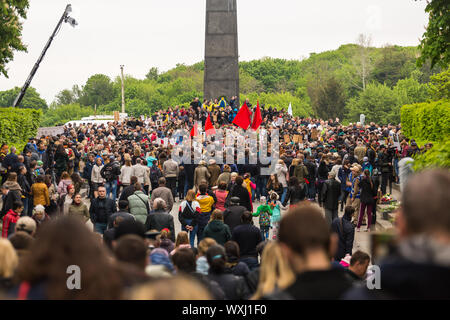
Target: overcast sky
(144, 33)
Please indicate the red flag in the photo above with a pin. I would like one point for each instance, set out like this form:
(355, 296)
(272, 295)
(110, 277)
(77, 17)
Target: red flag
(242, 118)
(194, 130)
(257, 118)
(209, 128)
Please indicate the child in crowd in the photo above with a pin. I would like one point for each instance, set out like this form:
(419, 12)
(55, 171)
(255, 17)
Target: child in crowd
(264, 212)
(276, 207)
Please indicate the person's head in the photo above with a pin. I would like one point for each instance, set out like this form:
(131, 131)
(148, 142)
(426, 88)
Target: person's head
(222, 185)
(4, 190)
(137, 186)
(304, 237)
(424, 203)
(190, 196)
(12, 176)
(159, 204)
(203, 188)
(233, 176)
(226, 168)
(98, 161)
(123, 205)
(21, 241)
(65, 176)
(275, 271)
(162, 182)
(232, 249)
(71, 190)
(8, 259)
(182, 238)
(239, 180)
(56, 246)
(132, 249)
(331, 175)
(204, 245)
(273, 196)
(77, 199)
(247, 217)
(216, 215)
(17, 207)
(216, 258)
(101, 192)
(39, 212)
(184, 260)
(348, 212)
(26, 224)
(359, 263)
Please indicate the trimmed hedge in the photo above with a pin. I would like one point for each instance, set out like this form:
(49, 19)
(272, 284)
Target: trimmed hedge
(18, 125)
(427, 121)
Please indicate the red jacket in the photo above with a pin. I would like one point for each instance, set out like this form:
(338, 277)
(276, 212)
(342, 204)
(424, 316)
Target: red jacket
(9, 222)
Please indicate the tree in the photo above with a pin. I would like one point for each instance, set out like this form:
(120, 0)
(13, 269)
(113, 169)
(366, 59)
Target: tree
(378, 103)
(395, 64)
(363, 63)
(11, 30)
(410, 90)
(434, 44)
(152, 74)
(64, 113)
(99, 90)
(440, 85)
(65, 96)
(31, 99)
(331, 101)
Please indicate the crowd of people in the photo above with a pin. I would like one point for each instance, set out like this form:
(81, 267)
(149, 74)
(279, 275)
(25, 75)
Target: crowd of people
(101, 191)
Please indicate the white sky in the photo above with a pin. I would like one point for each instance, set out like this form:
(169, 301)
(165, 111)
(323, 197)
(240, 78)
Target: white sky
(145, 33)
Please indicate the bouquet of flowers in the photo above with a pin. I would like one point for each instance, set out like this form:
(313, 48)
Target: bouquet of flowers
(387, 198)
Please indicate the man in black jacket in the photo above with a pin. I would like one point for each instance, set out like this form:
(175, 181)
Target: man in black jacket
(101, 209)
(346, 233)
(110, 172)
(247, 237)
(242, 193)
(331, 191)
(232, 215)
(128, 190)
(160, 218)
(9, 197)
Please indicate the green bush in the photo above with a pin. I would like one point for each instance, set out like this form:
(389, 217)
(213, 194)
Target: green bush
(438, 156)
(427, 121)
(17, 125)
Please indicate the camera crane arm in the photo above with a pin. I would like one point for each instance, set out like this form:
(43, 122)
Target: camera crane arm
(65, 18)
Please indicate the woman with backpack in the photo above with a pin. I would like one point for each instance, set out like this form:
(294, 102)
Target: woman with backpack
(155, 174)
(188, 214)
(367, 198)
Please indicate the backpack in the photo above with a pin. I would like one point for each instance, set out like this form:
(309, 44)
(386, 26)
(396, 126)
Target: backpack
(155, 174)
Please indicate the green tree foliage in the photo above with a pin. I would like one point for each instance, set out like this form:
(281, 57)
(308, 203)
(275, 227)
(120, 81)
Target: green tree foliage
(64, 113)
(440, 85)
(377, 103)
(31, 99)
(99, 90)
(438, 156)
(152, 74)
(428, 121)
(395, 63)
(11, 30)
(65, 97)
(17, 125)
(435, 41)
(331, 101)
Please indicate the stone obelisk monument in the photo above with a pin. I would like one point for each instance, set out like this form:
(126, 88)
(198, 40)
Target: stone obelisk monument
(221, 50)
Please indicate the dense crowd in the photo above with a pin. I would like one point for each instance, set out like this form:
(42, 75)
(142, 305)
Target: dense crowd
(122, 181)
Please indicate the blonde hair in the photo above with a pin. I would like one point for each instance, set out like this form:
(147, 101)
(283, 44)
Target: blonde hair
(204, 245)
(190, 196)
(182, 238)
(216, 215)
(295, 162)
(275, 272)
(8, 259)
(175, 288)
